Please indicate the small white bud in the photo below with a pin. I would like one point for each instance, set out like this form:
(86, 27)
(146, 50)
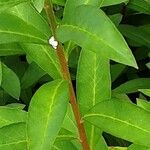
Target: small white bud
(53, 42)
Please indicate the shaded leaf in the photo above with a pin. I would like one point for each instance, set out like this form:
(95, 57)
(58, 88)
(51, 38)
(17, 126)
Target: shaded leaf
(133, 85)
(142, 6)
(10, 81)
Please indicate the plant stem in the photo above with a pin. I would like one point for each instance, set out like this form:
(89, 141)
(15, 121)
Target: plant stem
(66, 75)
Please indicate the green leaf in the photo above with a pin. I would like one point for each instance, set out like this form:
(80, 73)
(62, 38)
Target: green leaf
(93, 86)
(10, 116)
(59, 2)
(137, 34)
(69, 122)
(142, 6)
(116, 71)
(38, 4)
(15, 27)
(16, 105)
(145, 91)
(95, 39)
(133, 85)
(10, 82)
(122, 119)
(46, 113)
(31, 76)
(143, 104)
(117, 148)
(10, 49)
(13, 137)
(116, 19)
(5, 4)
(35, 20)
(45, 57)
(136, 147)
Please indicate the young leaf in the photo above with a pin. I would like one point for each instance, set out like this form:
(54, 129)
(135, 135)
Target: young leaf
(13, 137)
(45, 57)
(10, 116)
(46, 113)
(93, 86)
(118, 118)
(133, 85)
(92, 35)
(5, 4)
(10, 82)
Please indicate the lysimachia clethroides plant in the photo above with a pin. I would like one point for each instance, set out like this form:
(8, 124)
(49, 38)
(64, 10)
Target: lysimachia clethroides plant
(68, 75)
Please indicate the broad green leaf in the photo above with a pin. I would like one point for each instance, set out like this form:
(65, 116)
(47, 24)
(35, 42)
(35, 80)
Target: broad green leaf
(137, 34)
(45, 57)
(143, 104)
(10, 82)
(35, 20)
(145, 91)
(16, 25)
(122, 119)
(31, 76)
(148, 65)
(10, 49)
(10, 116)
(5, 4)
(93, 86)
(81, 31)
(133, 85)
(137, 147)
(13, 137)
(13, 29)
(142, 6)
(94, 83)
(46, 113)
